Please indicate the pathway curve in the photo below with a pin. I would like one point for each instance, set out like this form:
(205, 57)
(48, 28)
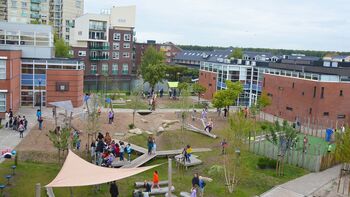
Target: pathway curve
(305, 185)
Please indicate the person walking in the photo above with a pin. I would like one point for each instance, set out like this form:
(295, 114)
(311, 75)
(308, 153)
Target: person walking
(150, 144)
(113, 189)
(155, 180)
(225, 112)
(201, 186)
(40, 121)
(21, 130)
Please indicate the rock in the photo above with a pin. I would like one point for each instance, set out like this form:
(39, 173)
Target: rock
(136, 131)
(144, 120)
(170, 122)
(148, 132)
(119, 134)
(165, 125)
(160, 129)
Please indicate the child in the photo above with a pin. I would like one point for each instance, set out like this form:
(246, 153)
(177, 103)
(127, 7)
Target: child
(128, 151)
(78, 143)
(209, 126)
(154, 148)
(194, 192)
(155, 179)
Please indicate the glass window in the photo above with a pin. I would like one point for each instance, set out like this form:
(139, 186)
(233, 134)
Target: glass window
(125, 69)
(126, 45)
(115, 69)
(2, 69)
(104, 68)
(2, 102)
(115, 55)
(93, 69)
(115, 45)
(116, 36)
(127, 37)
(82, 53)
(126, 55)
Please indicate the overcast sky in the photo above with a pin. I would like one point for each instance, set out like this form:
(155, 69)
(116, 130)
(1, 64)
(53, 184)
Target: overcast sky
(289, 24)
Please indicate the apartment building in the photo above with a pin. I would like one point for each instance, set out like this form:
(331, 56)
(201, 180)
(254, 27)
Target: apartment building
(105, 42)
(59, 13)
(170, 50)
(29, 73)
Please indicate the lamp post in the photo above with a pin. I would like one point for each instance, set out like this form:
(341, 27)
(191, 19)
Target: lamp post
(39, 80)
(96, 82)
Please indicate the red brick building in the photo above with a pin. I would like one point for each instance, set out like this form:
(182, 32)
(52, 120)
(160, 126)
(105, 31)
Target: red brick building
(299, 98)
(208, 80)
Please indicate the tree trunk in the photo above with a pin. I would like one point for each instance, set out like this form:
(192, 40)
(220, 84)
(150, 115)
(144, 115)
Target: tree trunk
(133, 117)
(199, 98)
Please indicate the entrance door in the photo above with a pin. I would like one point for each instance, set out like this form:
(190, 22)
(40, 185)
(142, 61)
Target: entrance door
(37, 98)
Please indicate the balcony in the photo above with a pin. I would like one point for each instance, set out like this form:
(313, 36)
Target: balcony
(35, 1)
(35, 16)
(96, 47)
(95, 58)
(34, 8)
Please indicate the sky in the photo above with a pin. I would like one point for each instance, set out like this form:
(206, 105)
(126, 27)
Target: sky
(287, 24)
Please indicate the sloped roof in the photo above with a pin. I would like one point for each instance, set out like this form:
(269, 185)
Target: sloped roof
(78, 172)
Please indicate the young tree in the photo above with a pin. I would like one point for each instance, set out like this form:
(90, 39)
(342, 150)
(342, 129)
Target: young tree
(342, 155)
(198, 89)
(135, 98)
(61, 48)
(228, 96)
(284, 137)
(60, 140)
(237, 53)
(93, 123)
(262, 102)
(152, 66)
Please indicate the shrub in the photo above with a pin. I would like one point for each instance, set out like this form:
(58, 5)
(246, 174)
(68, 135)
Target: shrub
(266, 163)
(131, 126)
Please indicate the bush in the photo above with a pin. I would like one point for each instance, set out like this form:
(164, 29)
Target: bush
(131, 126)
(266, 163)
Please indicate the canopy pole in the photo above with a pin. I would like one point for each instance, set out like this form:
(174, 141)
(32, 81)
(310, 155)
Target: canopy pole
(169, 177)
(37, 190)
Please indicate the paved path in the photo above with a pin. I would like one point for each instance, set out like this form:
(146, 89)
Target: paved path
(305, 185)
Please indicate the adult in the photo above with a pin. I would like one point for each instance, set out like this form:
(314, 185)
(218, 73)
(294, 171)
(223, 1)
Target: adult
(155, 179)
(113, 189)
(40, 121)
(108, 138)
(161, 91)
(209, 126)
(225, 112)
(25, 122)
(10, 113)
(99, 150)
(170, 92)
(201, 186)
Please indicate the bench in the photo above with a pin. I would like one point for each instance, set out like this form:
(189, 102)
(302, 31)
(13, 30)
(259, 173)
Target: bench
(185, 194)
(141, 184)
(194, 161)
(156, 191)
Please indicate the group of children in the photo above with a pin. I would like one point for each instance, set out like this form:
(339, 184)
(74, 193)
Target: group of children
(151, 145)
(187, 152)
(106, 150)
(16, 123)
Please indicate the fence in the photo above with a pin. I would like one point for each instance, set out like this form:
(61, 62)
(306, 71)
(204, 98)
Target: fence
(314, 159)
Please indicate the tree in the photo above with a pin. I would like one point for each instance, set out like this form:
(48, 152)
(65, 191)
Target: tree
(152, 66)
(237, 53)
(284, 137)
(342, 155)
(198, 89)
(93, 123)
(135, 99)
(61, 48)
(228, 96)
(60, 140)
(262, 103)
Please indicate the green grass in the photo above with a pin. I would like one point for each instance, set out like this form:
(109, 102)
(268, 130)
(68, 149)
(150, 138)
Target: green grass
(128, 105)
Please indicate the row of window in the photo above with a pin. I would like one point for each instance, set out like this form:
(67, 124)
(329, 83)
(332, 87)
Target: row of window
(339, 116)
(116, 45)
(117, 37)
(105, 69)
(104, 54)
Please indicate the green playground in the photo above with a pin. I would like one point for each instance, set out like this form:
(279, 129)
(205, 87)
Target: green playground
(316, 145)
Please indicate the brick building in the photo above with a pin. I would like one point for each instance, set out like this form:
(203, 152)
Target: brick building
(105, 42)
(170, 50)
(29, 74)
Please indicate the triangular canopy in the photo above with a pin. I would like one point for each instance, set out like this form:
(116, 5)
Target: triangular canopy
(173, 84)
(78, 172)
(67, 105)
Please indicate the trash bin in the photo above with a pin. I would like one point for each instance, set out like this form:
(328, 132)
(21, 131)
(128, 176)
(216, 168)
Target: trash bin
(329, 133)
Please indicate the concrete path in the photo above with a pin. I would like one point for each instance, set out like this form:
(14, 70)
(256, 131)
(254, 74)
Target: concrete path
(305, 185)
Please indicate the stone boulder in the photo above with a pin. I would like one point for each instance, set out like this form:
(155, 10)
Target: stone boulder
(144, 120)
(136, 131)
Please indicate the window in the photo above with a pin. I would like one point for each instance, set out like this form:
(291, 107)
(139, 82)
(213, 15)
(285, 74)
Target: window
(14, 4)
(80, 33)
(82, 53)
(314, 91)
(105, 68)
(269, 94)
(209, 84)
(24, 5)
(62, 86)
(67, 37)
(115, 69)
(93, 69)
(325, 113)
(125, 69)
(310, 111)
(303, 93)
(115, 45)
(2, 69)
(126, 55)
(293, 85)
(126, 45)
(115, 55)
(341, 93)
(67, 29)
(78, 4)
(322, 92)
(116, 36)
(2, 102)
(289, 108)
(127, 37)
(341, 116)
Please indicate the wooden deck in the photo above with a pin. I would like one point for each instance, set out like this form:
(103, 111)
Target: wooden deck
(139, 161)
(194, 161)
(201, 131)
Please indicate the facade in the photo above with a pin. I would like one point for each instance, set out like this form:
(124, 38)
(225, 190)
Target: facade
(29, 74)
(60, 13)
(105, 42)
(170, 50)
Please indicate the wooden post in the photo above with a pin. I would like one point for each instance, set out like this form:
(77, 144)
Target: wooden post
(169, 177)
(37, 190)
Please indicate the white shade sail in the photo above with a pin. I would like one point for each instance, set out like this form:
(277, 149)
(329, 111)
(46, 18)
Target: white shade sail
(78, 172)
(66, 105)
